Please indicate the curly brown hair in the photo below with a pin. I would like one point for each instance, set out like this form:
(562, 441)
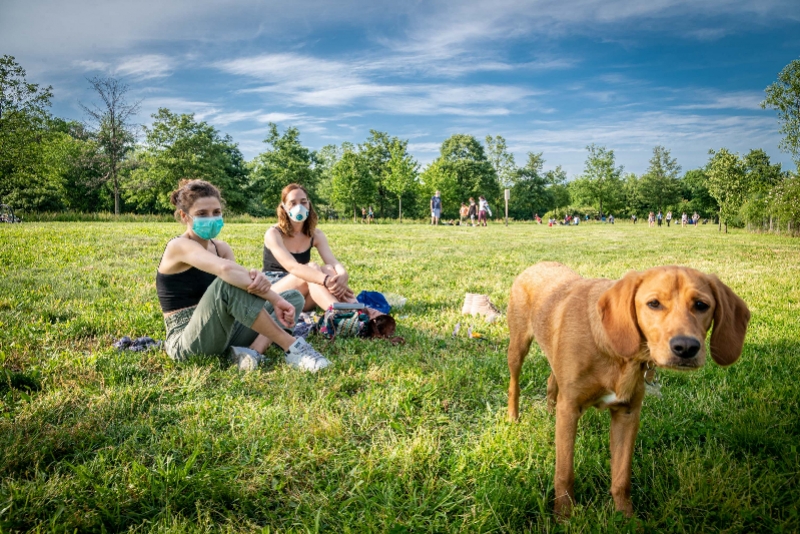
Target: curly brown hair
(189, 191)
(285, 224)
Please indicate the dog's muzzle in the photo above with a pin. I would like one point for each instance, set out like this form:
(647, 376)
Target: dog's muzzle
(684, 347)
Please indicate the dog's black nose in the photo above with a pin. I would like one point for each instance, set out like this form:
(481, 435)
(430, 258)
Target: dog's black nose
(684, 346)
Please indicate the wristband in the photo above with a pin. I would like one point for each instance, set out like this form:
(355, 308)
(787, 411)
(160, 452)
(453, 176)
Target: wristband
(325, 282)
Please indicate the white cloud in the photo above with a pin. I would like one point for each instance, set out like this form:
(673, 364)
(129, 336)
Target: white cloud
(718, 100)
(279, 117)
(90, 65)
(310, 81)
(145, 66)
(226, 118)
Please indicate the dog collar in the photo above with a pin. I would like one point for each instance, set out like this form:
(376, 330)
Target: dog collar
(651, 384)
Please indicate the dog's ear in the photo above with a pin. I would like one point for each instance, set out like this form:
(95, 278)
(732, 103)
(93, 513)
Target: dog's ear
(730, 323)
(618, 312)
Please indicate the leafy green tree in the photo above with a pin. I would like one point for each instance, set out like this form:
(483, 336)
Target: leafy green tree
(660, 185)
(376, 152)
(762, 177)
(784, 96)
(600, 185)
(24, 131)
(530, 193)
(401, 174)
(784, 202)
(502, 160)
(634, 203)
(461, 171)
(695, 194)
(727, 183)
(559, 191)
(352, 183)
(113, 130)
(439, 176)
(177, 147)
(286, 161)
(69, 157)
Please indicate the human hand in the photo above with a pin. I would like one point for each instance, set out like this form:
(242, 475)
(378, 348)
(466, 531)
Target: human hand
(260, 285)
(337, 284)
(284, 311)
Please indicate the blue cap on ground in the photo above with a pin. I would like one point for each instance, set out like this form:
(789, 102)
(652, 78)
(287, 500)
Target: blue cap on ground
(374, 300)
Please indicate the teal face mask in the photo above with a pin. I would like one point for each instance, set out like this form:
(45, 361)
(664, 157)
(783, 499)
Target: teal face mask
(207, 227)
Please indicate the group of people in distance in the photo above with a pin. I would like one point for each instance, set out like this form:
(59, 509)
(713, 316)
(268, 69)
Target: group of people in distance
(659, 217)
(367, 215)
(213, 305)
(474, 212)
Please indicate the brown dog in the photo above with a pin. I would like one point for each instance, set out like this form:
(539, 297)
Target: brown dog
(602, 336)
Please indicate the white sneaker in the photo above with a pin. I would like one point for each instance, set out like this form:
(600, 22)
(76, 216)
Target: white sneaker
(466, 309)
(245, 359)
(303, 356)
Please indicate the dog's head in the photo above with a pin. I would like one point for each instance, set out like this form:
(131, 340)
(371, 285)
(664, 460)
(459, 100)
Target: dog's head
(671, 309)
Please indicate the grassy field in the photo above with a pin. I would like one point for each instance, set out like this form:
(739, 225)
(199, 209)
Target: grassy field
(391, 439)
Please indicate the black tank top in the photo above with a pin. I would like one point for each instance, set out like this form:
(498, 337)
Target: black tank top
(271, 264)
(184, 289)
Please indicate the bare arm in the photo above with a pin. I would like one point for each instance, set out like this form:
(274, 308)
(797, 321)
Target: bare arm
(274, 242)
(189, 252)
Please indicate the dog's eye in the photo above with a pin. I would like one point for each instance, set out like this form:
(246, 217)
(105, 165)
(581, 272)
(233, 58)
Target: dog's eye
(701, 306)
(654, 304)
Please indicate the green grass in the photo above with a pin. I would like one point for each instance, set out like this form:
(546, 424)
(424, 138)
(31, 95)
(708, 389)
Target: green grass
(391, 439)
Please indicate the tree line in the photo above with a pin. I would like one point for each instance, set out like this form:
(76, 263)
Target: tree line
(107, 162)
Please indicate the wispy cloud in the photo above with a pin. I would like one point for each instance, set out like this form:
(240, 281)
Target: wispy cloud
(717, 100)
(145, 66)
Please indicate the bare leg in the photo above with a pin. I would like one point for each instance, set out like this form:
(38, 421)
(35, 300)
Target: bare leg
(291, 281)
(320, 295)
(267, 327)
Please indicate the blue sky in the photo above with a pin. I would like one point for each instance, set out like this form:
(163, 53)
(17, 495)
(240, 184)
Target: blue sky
(550, 76)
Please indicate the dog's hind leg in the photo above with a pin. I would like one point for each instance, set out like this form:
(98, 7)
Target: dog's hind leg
(552, 393)
(518, 348)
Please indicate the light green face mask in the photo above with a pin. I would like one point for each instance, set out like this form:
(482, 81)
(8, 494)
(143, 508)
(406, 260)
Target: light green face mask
(207, 227)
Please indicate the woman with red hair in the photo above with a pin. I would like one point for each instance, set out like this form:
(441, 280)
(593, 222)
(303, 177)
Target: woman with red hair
(287, 254)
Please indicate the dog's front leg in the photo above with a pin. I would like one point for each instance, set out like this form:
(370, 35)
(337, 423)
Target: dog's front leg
(567, 415)
(624, 427)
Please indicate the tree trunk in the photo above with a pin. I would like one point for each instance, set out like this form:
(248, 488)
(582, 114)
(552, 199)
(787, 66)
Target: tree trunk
(720, 221)
(354, 213)
(400, 207)
(770, 223)
(726, 227)
(116, 195)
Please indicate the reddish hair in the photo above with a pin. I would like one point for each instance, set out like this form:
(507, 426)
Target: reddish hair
(285, 224)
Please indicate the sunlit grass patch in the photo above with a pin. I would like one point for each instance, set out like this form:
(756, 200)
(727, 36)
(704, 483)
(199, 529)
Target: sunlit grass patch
(403, 438)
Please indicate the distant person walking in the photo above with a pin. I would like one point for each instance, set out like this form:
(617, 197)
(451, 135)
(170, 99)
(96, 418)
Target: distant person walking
(370, 215)
(436, 208)
(651, 219)
(633, 218)
(695, 219)
(364, 215)
(659, 217)
(472, 212)
(463, 213)
(669, 218)
(684, 218)
(483, 210)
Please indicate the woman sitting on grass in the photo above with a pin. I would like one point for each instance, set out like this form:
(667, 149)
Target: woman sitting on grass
(287, 254)
(211, 304)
